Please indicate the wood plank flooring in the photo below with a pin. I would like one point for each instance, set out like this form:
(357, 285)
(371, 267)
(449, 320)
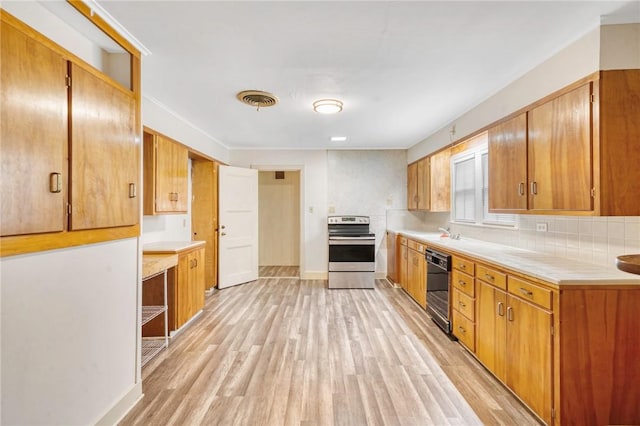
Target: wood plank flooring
(292, 352)
(279, 272)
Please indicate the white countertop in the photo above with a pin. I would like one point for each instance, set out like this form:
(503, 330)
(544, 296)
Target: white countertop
(170, 246)
(553, 269)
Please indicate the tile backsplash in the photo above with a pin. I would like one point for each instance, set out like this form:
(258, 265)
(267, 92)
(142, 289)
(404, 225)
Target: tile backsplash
(596, 240)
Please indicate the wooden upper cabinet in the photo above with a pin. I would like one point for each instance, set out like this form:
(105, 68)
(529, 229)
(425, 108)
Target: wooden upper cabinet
(618, 130)
(440, 181)
(559, 153)
(166, 164)
(34, 136)
(412, 186)
(104, 153)
(424, 185)
(508, 165)
(429, 183)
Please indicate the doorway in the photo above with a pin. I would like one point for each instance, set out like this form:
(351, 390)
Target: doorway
(279, 223)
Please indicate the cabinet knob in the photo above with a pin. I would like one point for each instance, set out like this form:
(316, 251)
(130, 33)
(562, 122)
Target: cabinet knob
(132, 190)
(462, 282)
(510, 313)
(526, 292)
(500, 309)
(534, 188)
(521, 188)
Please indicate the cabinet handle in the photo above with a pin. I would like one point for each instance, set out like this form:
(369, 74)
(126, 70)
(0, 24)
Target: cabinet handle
(462, 305)
(521, 188)
(526, 292)
(489, 277)
(461, 329)
(462, 282)
(462, 266)
(510, 313)
(534, 188)
(195, 263)
(173, 196)
(500, 309)
(55, 183)
(132, 190)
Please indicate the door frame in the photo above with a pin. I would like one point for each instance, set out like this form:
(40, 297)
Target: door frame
(301, 233)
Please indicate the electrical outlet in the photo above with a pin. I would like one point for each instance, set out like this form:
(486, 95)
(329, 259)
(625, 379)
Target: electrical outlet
(541, 227)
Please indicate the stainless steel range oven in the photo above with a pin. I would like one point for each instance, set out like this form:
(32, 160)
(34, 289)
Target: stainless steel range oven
(352, 252)
(438, 282)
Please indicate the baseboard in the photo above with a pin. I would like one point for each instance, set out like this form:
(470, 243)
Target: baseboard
(122, 407)
(314, 275)
(381, 275)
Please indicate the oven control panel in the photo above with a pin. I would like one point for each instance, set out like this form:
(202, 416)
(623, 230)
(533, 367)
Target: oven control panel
(335, 220)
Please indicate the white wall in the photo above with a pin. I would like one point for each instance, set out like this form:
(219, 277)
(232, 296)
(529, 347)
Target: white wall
(68, 333)
(620, 46)
(368, 183)
(313, 181)
(575, 61)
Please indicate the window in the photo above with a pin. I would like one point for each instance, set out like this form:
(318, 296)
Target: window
(470, 188)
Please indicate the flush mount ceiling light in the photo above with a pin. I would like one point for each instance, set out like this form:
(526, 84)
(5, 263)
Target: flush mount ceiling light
(338, 138)
(257, 98)
(327, 106)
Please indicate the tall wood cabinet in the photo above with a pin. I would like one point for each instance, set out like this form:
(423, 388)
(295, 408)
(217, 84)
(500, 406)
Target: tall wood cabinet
(573, 152)
(166, 168)
(70, 147)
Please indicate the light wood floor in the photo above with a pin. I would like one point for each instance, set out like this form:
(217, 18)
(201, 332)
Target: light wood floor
(292, 352)
(279, 271)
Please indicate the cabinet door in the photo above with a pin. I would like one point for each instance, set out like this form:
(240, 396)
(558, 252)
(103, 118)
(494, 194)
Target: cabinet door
(491, 328)
(529, 349)
(34, 135)
(197, 280)
(171, 176)
(508, 165)
(440, 181)
(416, 280)
(403, 263)
(412, 186)
(105, 151)
(391, 257)
(184, 293)
(423, 185)
(560, 153)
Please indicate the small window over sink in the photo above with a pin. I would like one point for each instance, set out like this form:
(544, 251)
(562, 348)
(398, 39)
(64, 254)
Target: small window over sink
(470, 187)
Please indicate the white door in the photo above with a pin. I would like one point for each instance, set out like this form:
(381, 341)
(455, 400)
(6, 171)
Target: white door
(238, 232)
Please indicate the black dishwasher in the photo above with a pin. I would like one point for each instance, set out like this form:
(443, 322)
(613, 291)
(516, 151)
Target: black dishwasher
(438, 282)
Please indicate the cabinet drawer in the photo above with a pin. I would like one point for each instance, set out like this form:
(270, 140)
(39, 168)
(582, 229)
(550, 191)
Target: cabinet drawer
(491, 276)
(463, 303)
(463, 282)
(531, 292)
(464, 330)
(463, 265)
(403, 240)
(414, 245)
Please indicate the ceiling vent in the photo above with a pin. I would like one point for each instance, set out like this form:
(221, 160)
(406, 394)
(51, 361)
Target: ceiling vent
(257, 98)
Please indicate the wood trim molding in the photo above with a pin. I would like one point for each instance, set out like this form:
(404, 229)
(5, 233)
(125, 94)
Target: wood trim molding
(22, 244)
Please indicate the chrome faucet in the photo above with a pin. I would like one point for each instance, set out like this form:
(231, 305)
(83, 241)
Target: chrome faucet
(449, 234)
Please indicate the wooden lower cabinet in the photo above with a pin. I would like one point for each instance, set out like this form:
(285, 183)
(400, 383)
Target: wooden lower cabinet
(189, 292)
(403, 262)
(185, 283)
(492, 328)
(529, 355)
(417, 271)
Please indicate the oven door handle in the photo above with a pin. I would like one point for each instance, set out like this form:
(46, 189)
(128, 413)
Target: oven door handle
(368, 241)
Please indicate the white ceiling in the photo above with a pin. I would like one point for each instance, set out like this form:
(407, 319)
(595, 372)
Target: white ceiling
(402, 69)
